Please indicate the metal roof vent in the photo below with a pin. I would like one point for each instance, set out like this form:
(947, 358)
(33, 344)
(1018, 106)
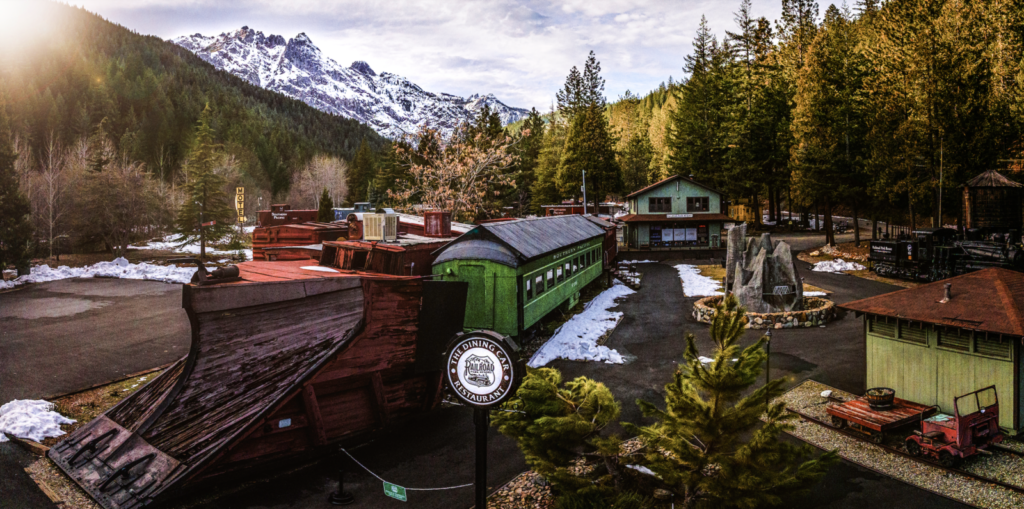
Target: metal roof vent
(380, 227)
(946, 296)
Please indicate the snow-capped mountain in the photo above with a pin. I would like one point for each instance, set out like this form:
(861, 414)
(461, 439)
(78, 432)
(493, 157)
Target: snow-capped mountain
(389, 103)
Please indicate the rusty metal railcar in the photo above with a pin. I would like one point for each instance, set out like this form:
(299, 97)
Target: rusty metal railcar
(973, 426)
(289, 359)
(272, 243)
(875, 421)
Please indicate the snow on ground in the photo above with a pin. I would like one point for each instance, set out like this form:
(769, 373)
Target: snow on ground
(30, 419)
(172, 243)
(118, 269)
(815, 294)
(836, 266)
(638, 261)
(696, 285)
(576, 340)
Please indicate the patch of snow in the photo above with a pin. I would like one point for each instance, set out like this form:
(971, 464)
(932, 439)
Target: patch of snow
(705, 360)
(173, 243)
(696, 285)
(815, 294)
(31, 419)
(576, 340)
(826, 394)
(639, 261)
(643, 470)
(318, 268)
(836, 266)
(120, 268)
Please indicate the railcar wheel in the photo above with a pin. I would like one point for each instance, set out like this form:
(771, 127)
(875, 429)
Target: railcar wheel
(838, 422)
(913, 448)
(947, 459)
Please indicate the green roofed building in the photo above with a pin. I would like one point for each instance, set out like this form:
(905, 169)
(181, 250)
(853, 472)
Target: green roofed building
(676, 214)
(936, 342)
(519, 271)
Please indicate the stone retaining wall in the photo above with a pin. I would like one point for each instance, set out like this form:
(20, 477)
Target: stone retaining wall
(817, 311)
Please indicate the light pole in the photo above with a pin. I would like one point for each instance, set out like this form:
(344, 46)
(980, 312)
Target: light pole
(767, 365)
(584, 188)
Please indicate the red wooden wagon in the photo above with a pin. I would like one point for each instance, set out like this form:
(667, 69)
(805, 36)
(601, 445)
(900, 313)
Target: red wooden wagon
(859, 415)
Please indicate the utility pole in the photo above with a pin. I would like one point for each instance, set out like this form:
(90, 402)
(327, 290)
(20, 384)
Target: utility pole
(584, 189)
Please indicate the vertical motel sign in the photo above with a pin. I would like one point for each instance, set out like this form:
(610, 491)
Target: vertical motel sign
(240, 203)
(483, 370)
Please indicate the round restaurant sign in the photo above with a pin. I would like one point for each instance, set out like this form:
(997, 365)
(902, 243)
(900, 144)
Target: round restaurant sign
(480, 369)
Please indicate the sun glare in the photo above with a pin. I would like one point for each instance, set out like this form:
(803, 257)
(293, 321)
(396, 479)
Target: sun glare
(20, 20)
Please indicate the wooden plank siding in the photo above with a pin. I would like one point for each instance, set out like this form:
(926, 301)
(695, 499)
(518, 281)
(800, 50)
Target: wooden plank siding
(933, 375)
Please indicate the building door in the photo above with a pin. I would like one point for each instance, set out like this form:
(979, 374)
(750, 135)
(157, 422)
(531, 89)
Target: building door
(478, 302)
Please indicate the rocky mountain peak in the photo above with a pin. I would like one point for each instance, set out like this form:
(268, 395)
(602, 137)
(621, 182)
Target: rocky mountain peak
(389, 103)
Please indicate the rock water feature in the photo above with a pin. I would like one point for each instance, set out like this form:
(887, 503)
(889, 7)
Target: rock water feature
(762, 274)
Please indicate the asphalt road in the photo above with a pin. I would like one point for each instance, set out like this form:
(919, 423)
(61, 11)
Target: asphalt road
(63, 336)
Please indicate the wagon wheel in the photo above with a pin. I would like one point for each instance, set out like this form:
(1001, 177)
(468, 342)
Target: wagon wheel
(913, 448)
(877, 438)
(947, 459)
(838, 422)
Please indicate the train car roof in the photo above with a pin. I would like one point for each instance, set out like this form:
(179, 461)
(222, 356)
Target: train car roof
(478, 249)
(529, 238)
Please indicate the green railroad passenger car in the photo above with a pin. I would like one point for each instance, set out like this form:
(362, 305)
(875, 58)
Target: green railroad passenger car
(519, 271)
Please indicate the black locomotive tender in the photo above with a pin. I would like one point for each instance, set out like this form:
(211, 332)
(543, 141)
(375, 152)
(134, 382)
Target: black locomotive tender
(990, 236)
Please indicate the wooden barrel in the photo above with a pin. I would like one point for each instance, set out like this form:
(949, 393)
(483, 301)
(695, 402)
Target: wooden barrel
(880, 398)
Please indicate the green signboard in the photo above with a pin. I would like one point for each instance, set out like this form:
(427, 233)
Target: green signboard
(395, 491)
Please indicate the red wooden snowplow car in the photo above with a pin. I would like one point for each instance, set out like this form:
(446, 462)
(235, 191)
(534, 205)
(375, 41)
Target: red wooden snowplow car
(950, 438)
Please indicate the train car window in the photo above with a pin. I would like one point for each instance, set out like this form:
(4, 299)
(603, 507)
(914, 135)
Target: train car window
(529, 290)
(575, 265)
(561, 275)
(568, 268)
(551, 279)
(538, 285)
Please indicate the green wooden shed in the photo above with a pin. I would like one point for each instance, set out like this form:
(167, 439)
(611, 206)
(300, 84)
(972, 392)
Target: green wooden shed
(519, 271)
(945, 339)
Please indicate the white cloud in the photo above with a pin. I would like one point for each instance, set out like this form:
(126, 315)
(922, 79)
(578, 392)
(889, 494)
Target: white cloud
(519, 50)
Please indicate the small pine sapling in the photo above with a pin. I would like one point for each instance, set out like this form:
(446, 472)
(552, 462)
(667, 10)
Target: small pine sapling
(556, 424)
(325, 209)
(698, 445)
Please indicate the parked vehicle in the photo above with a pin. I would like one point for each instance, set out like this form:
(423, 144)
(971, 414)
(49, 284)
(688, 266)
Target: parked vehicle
(973, 426)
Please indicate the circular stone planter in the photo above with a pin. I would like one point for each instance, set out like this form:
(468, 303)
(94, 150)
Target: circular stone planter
(817, 311)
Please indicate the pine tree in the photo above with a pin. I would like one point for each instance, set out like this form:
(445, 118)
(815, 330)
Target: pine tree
(207, 214)
(544, 190)
(697, 446)
(528, 149)
(325, 212)
(15, 227)
(635, 158)
(589, 147)
(570, 98)
(554, 423)
(360, 174)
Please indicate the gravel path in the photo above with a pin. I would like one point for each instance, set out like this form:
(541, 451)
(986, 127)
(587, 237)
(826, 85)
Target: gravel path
(1006, 467)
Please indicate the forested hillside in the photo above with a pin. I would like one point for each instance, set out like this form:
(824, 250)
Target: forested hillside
(70, 69)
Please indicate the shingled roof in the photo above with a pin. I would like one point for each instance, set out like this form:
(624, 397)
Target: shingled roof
(989, 300)
(992, 178)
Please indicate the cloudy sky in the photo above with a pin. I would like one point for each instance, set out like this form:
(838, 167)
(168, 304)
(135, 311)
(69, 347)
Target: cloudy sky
(519, 50)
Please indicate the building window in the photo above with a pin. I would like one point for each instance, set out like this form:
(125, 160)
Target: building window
(955, 341)
(659, 205)
(913, 334)
(538, 284)
(991, 346)
(697, 204)
(882, 329)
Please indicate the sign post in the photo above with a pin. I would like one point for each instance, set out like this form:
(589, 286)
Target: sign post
(483, 371)
(240, 203)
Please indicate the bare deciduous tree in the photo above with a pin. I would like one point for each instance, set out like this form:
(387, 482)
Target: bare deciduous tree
(121, 202)
(457, 175)
(321, 172)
